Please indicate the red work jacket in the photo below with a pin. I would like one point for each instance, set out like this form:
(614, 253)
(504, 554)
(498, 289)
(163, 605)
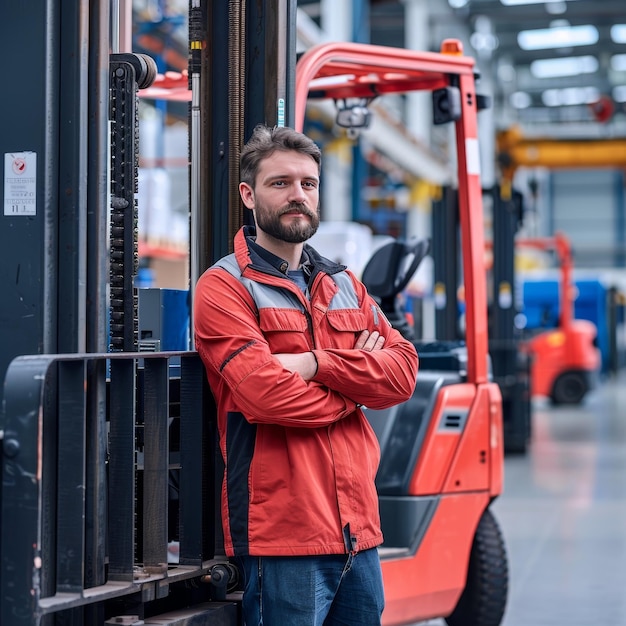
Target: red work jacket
(300, 456)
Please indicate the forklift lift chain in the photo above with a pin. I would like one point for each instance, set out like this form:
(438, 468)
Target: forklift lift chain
(128, 73)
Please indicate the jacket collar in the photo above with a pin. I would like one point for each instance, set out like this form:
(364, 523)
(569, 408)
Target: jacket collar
(248, 252)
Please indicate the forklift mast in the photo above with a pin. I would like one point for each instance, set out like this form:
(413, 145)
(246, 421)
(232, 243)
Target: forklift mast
(446, 266)
(69, 342)
(511, 367)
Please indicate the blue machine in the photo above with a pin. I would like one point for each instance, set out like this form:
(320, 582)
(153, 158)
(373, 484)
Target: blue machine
(163, 320)
(541, 308)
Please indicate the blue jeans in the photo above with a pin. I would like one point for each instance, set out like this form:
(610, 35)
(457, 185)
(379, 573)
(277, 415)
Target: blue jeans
(325, 590)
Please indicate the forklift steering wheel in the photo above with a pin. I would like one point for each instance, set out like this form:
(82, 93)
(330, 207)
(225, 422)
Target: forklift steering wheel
(392, 266)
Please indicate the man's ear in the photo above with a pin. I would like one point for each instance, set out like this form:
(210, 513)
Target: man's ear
(247, 195)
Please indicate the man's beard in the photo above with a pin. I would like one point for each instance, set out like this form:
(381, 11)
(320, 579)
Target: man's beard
(296, 231)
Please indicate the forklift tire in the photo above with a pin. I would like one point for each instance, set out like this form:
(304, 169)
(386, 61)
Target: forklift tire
(483, 600)
(569, 388)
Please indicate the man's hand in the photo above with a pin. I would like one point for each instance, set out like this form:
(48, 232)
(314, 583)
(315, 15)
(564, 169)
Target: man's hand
(369, 341)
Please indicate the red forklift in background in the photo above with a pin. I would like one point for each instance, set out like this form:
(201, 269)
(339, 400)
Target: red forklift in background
(565, 361)
(95, 432)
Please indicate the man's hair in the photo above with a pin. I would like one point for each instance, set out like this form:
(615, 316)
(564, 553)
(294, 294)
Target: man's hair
(265, 141)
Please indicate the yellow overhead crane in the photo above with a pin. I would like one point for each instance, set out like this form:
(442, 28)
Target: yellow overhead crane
(514, 150)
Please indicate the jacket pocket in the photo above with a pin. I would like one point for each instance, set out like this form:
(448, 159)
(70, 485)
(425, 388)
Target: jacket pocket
(345, 326)
(286, 330)
(347, 320)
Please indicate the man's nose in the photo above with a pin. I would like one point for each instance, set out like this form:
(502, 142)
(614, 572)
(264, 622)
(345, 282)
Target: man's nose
(296, 193)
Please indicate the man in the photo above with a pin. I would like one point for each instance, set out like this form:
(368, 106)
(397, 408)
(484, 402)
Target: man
(293, 346)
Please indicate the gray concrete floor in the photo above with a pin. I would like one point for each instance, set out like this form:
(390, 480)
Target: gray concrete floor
(563, 515)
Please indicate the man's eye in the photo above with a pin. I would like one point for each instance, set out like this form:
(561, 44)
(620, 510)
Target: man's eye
(309, 183)
(279, 183)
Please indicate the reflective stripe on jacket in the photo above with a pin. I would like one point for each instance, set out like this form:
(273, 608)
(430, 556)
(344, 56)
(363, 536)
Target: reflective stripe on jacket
(300, 457)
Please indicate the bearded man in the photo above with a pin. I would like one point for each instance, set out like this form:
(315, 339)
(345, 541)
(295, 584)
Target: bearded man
(293, 347)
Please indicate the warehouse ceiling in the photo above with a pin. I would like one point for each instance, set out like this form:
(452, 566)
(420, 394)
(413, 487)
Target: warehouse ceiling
(555, 63)
(569, 81)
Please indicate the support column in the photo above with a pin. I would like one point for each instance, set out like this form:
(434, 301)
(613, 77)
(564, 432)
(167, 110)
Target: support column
(485, 40)
(337, 172)
(418, 110)
(246, 77)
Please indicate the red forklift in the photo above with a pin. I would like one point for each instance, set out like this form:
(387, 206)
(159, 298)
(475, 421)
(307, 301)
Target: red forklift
(109, 453)
(441, 466)
(564, 361)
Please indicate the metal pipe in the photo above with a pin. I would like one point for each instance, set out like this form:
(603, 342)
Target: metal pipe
(194, 191)
(121, 20)
(97, 279)
(236, 81)
(97, 176)
(196, 39)
(72, 158)
(114, 43)
(125, 28)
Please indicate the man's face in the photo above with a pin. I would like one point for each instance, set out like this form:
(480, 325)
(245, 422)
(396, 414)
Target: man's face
(285, 198)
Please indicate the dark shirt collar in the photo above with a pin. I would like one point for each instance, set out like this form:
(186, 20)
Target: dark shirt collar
(275, 261)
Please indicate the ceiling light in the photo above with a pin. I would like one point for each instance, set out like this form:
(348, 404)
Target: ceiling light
(570, 96)
(506, 71)
(557, 37)
(619, 93)
(565, 66)
(618, 33)
(618, 62)
(556, 8)
(483, 42)
(512, 3)
(520, 100)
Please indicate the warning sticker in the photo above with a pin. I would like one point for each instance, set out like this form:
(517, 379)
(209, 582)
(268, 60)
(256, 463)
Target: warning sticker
(20, 183)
